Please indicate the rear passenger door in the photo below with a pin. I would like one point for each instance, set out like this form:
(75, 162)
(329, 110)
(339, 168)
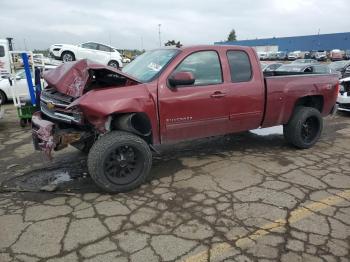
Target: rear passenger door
(246, 95)
(88, 51)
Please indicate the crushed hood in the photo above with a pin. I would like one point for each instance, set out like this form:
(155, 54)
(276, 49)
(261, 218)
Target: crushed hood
(71, 78)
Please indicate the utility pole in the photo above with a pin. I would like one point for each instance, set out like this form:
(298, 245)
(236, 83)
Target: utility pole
(25, 44)
(160, 41)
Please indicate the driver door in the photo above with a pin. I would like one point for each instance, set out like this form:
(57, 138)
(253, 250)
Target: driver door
(198, 110)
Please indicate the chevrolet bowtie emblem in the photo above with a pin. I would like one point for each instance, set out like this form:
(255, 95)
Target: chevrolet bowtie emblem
(50, 106)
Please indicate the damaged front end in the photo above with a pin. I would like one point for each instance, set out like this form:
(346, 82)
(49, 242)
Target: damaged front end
(48, 136)
(61, 120)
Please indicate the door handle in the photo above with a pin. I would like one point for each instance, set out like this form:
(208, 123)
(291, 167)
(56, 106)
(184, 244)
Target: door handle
(218, 94)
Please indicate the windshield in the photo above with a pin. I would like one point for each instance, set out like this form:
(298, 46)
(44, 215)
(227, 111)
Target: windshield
(338, 65)
(145, 67)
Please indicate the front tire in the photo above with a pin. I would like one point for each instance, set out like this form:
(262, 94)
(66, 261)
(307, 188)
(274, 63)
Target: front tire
(119, 161)
(304, 128)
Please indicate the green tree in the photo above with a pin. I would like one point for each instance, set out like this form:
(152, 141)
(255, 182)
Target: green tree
(173, 43)
(232, 36)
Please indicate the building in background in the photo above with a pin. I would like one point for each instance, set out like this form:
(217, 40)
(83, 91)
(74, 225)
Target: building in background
(304, 43)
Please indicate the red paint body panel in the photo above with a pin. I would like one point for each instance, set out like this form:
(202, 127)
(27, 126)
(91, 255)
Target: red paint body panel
(178, 114)
(101, 103)
(283, 93)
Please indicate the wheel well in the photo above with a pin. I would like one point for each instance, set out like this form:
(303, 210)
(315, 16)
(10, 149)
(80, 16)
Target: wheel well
(114, 61)
(67, 51)
(136, 123)
(311, 101)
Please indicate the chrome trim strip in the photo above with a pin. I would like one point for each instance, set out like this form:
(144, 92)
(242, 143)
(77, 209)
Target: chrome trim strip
(54, 103)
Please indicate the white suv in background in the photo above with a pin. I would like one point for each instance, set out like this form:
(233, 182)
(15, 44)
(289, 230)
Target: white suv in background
(4, 58)
(96, 52)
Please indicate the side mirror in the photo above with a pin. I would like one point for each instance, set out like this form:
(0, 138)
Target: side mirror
(181, 79)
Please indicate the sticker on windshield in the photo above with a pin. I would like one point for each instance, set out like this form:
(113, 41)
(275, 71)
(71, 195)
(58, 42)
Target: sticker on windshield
(154, 66)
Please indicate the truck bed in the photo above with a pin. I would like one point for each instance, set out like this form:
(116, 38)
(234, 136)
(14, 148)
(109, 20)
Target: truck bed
(283, 92)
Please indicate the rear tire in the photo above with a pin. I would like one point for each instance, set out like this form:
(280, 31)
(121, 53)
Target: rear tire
(304, 128)
(119, 161)
(3, 98)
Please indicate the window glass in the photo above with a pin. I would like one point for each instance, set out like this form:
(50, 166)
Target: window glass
(2, 51)
(148, 65)
(241, 70)
(321, 69)
(205, 67)
(105, 48)
(21, 74)
(89, 46)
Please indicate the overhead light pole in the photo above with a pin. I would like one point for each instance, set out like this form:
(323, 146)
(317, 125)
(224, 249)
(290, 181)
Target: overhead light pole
(160, 41)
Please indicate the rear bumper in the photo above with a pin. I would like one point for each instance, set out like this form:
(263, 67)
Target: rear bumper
(344, 107)
(343, 102)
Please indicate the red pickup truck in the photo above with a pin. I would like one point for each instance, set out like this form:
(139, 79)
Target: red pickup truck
(171, 95)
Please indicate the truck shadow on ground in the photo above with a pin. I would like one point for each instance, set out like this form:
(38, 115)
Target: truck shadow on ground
(69, 174)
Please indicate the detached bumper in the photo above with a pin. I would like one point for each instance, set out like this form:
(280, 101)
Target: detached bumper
(42, 134)
(47, 136)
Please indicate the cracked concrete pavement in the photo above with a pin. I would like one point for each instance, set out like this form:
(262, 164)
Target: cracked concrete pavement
(233, 198)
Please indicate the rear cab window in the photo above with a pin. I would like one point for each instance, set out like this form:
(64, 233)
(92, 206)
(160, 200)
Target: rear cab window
(240, 66)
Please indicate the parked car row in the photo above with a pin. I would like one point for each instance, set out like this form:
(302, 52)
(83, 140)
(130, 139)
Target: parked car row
(300, 66)
(342, 67)
(319, 55)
